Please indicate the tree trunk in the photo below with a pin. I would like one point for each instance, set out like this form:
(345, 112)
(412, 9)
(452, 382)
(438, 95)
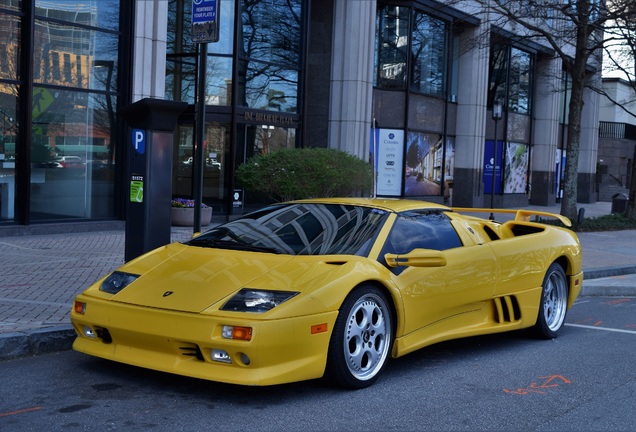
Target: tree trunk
(570, 181)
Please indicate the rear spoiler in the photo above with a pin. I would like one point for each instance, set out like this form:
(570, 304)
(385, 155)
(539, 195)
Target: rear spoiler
(520, 215)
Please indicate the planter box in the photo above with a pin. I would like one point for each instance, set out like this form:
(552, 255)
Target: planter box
(185, 216)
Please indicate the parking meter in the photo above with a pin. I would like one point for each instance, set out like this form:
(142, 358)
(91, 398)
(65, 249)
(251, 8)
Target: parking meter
(149, 174)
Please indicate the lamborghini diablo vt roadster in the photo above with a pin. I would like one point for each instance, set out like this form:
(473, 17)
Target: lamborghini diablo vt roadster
(329, 287)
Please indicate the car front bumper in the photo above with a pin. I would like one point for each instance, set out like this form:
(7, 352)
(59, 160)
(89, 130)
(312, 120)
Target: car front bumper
(280, 351)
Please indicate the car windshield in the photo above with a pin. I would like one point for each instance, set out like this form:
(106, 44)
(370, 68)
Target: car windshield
(300, 229)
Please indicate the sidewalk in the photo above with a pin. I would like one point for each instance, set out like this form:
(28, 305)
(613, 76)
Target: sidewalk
(41, 274)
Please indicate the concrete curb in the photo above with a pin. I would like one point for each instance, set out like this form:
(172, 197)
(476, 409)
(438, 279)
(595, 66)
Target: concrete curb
(608, 272)
(35, 342)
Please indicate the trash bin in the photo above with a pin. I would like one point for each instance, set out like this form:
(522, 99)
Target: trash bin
(619, 203)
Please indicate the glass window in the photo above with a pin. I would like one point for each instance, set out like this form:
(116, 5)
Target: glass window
(179, 35)
(511, 78)
(421, 230)
(392, 38)
(428, 49)
(94, 13)
(15, 5)
(566, 95)
(268, 87)
(516, 168)
(9, 46)
(270, 49)
(181, 60)
(498, 73)
(215, 154)
(219, 80)
(302, 229)
(88, 50)
(181, 77)
(424, 156)
(71, 155)
(520, 79)
(272, 31)
(9, 125)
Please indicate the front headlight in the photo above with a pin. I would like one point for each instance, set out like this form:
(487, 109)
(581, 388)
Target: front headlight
(257, 301)
(117, 281)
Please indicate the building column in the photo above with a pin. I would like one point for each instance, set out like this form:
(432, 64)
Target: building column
(588, 150)
(149, 64)
(470, 136)
(351, 102)
(545, 131)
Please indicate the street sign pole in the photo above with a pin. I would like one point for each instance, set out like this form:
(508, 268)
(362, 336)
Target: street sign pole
(205, 29)
(198, 161)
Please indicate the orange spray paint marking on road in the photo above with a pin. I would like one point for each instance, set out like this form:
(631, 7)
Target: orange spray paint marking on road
(26, 410)
(618, 301)
(549, 381)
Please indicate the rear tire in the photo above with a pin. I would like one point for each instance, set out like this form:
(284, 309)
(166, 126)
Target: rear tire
(361, 339)
(554, 303)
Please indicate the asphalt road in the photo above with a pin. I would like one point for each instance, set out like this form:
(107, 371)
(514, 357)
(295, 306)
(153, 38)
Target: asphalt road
(584, 380)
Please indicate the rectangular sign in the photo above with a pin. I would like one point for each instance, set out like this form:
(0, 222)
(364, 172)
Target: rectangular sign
(205, 23)
(137, 188)
(389, 160)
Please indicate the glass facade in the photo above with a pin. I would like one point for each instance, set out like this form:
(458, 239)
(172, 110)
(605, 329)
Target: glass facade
(66, 154)
(511, 83)
(260, 79)
(511, 78)
(413, 47)
(429, 59)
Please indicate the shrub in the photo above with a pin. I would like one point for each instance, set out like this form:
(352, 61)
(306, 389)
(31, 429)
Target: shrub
(289, 174)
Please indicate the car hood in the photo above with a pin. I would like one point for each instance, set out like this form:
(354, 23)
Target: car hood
(192, 279)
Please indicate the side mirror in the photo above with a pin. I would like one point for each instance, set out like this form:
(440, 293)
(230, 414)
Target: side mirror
(417, 258)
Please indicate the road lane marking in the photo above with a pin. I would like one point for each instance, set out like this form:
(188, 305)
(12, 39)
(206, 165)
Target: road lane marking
(601, 328)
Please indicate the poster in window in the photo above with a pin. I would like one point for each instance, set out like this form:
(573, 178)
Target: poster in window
(389, 156)
(516, 168)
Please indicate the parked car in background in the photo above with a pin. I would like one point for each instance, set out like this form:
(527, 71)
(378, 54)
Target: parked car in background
(70, 162)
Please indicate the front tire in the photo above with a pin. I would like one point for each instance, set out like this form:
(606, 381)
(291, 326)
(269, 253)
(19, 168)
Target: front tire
(361, 339)
(554, 303)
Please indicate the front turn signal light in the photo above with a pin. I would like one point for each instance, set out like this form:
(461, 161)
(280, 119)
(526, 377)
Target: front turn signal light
(237, 333)
(79, 307)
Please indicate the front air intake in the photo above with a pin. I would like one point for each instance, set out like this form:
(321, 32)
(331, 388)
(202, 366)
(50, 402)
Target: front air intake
(192, 350)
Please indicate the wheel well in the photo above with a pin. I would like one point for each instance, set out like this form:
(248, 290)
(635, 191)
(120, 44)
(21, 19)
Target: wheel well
(389, 298)
(565, 265)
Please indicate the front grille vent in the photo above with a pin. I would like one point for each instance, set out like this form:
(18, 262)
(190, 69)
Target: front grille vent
(192, 351)
(103, 334)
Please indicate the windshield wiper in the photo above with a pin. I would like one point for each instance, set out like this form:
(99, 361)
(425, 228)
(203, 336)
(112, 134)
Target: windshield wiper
(231, 244)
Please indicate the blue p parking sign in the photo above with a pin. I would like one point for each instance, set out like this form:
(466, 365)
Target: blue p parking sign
(139, 140)
(205, 23)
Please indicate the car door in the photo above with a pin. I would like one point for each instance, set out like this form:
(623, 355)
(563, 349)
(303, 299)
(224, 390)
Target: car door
(446, 297)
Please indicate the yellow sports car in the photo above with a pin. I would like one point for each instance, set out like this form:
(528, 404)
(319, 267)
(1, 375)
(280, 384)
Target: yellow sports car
(330, 287)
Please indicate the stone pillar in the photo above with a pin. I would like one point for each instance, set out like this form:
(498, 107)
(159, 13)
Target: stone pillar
(470, 138)
(149, 63)
(352, 76)
(545, 131)
(588, 151)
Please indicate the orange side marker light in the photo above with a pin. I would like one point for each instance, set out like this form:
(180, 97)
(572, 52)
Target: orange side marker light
(319, 328)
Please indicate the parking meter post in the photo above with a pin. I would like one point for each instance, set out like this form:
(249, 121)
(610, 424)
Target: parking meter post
(149, 173)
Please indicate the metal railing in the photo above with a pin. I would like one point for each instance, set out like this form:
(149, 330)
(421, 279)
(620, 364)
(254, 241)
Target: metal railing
(616, 130)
